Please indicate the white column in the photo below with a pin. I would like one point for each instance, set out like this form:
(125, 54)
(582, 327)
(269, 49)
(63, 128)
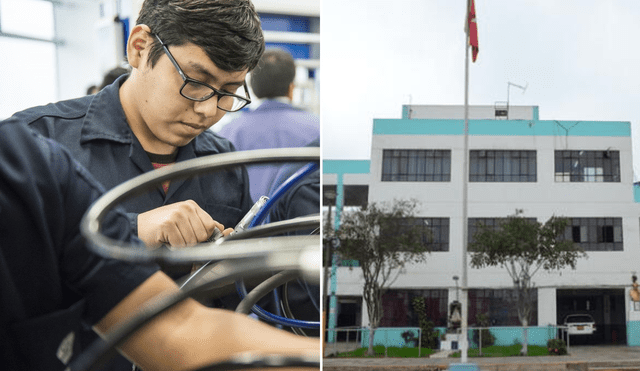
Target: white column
(547, 307)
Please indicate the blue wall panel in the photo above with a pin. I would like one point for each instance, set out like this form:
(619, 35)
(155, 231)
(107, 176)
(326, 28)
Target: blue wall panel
(633, 333)
(288, 23)
(345, 166)
(501, 127)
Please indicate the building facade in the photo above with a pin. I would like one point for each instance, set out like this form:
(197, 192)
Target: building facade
(518, 164)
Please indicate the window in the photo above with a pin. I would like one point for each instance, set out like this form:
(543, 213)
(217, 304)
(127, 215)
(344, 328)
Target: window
(587, 166)
(30, 18)
(500, 305)
(416, 165)
(502, 166)
(474, 225)
(596, 234)
(435, 233)
(398, 310)
(354, 195)
(26, 34)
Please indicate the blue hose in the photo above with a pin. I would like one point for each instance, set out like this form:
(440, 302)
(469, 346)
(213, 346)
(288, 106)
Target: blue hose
(280, 191)
(262, 214)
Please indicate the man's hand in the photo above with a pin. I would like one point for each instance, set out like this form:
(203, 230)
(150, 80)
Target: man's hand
(178, 225)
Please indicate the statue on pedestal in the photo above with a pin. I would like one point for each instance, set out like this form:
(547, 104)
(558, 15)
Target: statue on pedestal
(455, 316)
(634, 293)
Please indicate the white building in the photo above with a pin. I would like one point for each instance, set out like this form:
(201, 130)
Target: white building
(581, 170)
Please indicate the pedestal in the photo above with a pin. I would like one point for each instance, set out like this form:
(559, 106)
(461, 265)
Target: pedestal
(450, 342)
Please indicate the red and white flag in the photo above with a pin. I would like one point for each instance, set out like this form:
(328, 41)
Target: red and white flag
(472, 28)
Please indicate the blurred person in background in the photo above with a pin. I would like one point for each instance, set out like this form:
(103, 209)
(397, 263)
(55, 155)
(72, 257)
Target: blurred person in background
(276, 123)
(111, 76)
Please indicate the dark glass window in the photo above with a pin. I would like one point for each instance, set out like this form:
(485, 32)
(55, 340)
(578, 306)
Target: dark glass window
(596, 234)
(587, 166)
(435, 233)
(354, 195)
(398, 308)
(500, 305)
(502, 166)
(474, 224)
(416, 165)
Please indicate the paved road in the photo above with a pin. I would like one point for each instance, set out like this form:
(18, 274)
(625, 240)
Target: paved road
(581, 357)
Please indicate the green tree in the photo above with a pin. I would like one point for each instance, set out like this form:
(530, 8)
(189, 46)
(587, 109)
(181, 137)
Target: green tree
(383, 239)
(524, 246)
(429, 335)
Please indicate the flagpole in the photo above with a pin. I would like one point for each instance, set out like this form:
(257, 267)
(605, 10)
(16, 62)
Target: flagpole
(464, 344)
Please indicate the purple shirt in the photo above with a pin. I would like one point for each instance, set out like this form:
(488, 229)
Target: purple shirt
(273, 124)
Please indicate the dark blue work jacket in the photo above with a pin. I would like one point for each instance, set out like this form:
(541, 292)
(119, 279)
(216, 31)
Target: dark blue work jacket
(96, 131)
(51, 285)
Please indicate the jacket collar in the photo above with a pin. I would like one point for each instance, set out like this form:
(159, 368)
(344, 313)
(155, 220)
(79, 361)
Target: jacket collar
(105, 118)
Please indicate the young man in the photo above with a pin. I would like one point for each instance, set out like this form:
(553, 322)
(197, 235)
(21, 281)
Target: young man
(51, 284)
(189, 60)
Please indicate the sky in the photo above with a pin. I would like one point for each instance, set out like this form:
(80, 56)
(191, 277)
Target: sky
(579, 60)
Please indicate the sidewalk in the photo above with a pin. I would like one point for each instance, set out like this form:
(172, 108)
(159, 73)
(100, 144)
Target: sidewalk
(582, 358)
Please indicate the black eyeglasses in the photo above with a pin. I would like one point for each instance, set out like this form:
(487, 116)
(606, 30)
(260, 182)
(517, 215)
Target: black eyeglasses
(199, 91)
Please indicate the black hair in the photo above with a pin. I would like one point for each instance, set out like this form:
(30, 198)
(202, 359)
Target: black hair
(274, 73)
(228, 31)
(112, 75)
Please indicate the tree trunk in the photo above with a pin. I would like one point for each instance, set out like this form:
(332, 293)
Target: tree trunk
(373, 300)
(525, 342)
(372, 331)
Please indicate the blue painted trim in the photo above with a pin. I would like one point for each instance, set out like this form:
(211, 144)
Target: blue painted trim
(633, 333)
(405, 112)
(345, 166)
(510, 335)
(388, 336)
(507, 335)
(463, 367)
(536, 113)
(502, 127)
(333, 302)
(339, 201)
(636, 193)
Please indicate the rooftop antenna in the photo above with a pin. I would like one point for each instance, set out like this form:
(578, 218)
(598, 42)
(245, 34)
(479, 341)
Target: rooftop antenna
(509, 84)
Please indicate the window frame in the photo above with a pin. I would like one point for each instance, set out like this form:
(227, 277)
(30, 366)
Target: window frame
(607, 161)
(416, 165)
(597, 234)
(503, 166)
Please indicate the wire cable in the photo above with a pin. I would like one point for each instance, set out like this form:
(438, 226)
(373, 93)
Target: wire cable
(240, 286)
(281, 190)
(102, 245)
(287, 309)
(264, 288)
(102, 350)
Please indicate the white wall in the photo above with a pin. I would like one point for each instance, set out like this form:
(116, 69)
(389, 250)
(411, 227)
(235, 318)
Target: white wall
(453, 112)
(78, 64)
